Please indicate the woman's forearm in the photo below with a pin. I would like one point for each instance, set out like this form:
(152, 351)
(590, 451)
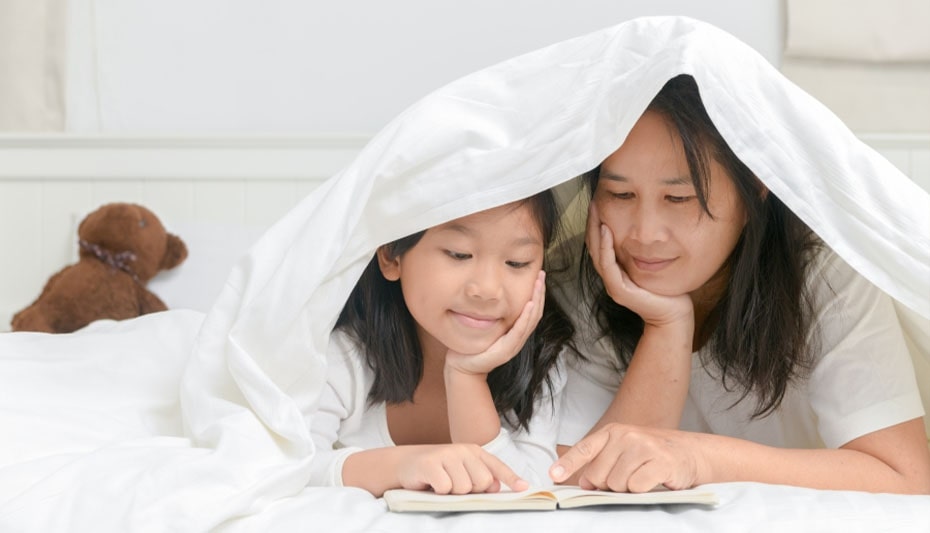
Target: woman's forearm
(900, 467)
(655, 386)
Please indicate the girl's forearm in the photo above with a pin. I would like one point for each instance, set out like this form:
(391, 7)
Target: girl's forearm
(374, 470)
(472, 416)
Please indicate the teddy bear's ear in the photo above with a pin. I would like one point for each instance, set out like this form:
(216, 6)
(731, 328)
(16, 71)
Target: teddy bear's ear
(175, 253)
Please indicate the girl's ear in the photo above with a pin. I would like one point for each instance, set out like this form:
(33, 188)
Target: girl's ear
(390, 267)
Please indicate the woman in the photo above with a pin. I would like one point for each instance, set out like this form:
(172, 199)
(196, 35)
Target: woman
(723, 314)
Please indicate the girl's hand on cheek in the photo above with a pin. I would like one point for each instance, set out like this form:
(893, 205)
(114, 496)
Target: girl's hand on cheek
(455, 469)
(508, 345)
(654, 309)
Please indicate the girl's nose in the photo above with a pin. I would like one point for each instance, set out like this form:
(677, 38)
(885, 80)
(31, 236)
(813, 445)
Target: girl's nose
(485, 283)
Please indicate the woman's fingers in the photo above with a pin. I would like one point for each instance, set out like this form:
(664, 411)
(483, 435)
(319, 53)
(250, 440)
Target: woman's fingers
(628, 459)
(578, 456)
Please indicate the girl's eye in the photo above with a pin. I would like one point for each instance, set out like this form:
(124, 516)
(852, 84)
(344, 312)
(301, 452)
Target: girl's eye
(519, 264)
(679, 199)
(458, 256)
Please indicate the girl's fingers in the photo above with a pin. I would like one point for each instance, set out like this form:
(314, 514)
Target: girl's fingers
(458, 475)
(503, 473)
(482, 480)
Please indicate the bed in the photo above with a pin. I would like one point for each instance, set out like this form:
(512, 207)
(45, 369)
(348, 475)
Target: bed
(194, 419)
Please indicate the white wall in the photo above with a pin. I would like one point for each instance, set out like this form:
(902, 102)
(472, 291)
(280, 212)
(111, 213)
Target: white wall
(324, 67)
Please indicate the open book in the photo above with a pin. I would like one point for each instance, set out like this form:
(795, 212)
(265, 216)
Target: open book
(540, 498)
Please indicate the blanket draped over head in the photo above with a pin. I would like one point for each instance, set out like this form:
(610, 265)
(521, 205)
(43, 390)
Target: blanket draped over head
(501, 134)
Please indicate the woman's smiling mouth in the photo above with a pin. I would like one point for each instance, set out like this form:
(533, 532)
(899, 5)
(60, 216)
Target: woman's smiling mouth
(650, 264)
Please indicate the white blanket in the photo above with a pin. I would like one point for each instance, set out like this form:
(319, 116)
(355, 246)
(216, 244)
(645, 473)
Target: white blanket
(105, 432)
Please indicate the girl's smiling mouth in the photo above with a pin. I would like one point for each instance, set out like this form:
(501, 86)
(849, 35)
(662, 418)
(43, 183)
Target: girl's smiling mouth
(474, 320)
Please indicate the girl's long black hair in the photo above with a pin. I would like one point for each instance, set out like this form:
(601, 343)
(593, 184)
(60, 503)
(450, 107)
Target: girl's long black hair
(758, 332)
(377, 317)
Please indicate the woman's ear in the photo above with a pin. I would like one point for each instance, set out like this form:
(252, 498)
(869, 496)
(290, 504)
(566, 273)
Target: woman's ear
(390, 266)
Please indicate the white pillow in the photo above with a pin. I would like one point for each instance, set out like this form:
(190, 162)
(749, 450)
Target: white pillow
(213, 248)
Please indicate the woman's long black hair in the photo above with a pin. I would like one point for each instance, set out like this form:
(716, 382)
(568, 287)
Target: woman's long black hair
(377, 317)
(758, 332)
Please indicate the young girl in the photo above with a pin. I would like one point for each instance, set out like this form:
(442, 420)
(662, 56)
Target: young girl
(723, 314)
(442, 370)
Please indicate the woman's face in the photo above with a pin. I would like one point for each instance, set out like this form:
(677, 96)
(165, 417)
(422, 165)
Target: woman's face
(662, 237)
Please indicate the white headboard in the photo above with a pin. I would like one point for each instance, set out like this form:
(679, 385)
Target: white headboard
(196, 185)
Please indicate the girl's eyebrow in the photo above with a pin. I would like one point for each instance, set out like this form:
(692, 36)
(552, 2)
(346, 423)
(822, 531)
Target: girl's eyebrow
(680, 180)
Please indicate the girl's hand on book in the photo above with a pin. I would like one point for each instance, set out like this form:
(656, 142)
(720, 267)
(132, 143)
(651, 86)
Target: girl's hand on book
(455, 469)
(626, 458)
(509, 344)
(654, 309)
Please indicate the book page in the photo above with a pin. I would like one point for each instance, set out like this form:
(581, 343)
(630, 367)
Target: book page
(402, 500)
(570, 496)
(538, 498)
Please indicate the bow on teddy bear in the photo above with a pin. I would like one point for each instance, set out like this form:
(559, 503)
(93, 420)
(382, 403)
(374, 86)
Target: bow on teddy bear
(122, 247)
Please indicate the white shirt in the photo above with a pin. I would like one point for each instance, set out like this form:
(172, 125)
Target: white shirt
(344, 422)
(862, 379)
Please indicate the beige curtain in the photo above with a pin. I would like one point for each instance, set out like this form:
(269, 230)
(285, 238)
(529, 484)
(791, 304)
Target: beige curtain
(868, 60)
(32, 65)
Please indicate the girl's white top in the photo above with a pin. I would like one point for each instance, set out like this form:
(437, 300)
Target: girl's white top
(345, 423)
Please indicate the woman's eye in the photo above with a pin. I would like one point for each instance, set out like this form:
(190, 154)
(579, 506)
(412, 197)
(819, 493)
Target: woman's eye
(519, 264)
(679, 199)
(622, 195)
(459, 256)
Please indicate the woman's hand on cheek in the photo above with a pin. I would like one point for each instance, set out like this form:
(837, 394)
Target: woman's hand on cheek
(625, 458)
(455, 469)
(654, 309)
(508, 345)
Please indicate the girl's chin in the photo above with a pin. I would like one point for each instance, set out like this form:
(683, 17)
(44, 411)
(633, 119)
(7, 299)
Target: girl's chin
(470, 348)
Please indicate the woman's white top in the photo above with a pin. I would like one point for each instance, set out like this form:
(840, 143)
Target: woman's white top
(345, 423)
(862, 378)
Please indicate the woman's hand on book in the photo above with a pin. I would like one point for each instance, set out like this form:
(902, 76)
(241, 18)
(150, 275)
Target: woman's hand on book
(625, 458)
(454, 469)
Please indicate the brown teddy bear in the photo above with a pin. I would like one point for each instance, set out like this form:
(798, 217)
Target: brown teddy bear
(122, 246)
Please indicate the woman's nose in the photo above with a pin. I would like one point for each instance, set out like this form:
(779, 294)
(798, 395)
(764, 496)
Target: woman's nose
(647, 225)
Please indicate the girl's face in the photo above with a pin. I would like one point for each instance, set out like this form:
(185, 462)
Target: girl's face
(662, 237)
(466, 281)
